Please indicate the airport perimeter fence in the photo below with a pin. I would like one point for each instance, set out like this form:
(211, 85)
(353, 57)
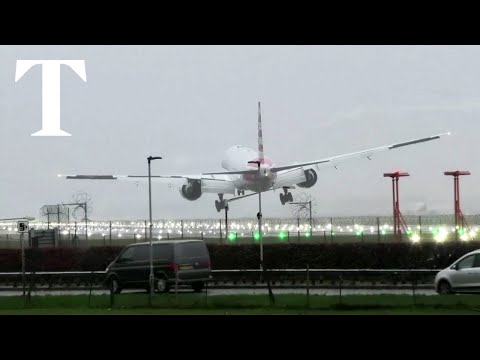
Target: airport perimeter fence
(245, 231)
(310, 285)
(242, 291)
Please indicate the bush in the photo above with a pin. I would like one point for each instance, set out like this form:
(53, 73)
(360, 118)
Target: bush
(281, 256)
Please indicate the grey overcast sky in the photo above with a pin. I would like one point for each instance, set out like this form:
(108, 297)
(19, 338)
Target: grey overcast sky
(190, 103)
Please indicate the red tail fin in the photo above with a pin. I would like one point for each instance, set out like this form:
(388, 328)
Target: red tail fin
(260, 135)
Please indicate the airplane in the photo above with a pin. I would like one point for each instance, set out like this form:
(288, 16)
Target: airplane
(248, 170)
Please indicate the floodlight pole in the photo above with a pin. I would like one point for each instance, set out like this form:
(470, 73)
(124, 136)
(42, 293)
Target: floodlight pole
(151, 282)
(398, 220)
(459, 218)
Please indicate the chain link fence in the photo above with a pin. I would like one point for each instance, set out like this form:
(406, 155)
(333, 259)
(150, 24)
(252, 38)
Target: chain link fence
(237, 231)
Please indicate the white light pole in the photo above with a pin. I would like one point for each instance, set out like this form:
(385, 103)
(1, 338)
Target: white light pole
(259, 216)
(150, 158)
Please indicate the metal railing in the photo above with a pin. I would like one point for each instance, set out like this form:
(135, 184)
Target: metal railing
(246, 278)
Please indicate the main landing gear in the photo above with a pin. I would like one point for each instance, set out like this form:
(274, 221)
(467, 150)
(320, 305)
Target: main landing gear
(221, 203)
(286, 196)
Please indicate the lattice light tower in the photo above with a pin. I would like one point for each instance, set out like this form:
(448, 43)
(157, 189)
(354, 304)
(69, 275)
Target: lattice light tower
(460, 222)
(398, 220)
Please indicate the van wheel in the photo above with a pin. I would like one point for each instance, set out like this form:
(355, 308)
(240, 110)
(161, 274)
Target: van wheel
(198, 286)
(114, 285)
(444, 288)
(161, 286)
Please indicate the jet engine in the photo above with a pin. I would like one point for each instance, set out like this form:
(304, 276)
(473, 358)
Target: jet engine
(192, 190)
(311, 179)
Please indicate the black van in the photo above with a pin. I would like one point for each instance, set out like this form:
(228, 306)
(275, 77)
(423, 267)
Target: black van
(186, 260)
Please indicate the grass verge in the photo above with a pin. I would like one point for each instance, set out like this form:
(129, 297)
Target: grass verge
(241, 304)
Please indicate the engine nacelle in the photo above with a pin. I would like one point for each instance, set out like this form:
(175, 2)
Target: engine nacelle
(192, 190)
(311, 179)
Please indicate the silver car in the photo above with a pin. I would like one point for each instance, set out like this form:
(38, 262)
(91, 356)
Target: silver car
(463, 276)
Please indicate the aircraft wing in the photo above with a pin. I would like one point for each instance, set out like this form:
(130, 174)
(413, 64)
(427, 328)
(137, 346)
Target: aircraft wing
(239, 172)
(251, 194)
(136, 178)
(364, 153)
(209, 184)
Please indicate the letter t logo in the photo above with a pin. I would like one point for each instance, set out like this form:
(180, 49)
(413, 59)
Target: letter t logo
(51, 90)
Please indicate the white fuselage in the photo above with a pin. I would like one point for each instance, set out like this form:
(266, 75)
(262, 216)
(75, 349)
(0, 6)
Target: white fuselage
(237, 158)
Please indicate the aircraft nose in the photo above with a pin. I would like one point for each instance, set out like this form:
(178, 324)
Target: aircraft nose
(267, 172)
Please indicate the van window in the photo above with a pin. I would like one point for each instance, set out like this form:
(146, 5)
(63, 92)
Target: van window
(142, 253)
(191, 249)
(163, 252)
(128, 254)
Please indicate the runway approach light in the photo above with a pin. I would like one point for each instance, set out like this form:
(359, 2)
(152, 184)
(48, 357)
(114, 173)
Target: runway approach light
(283, 235)
(232, 236)
(464, 236)
(440, 235)
(415, 238)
